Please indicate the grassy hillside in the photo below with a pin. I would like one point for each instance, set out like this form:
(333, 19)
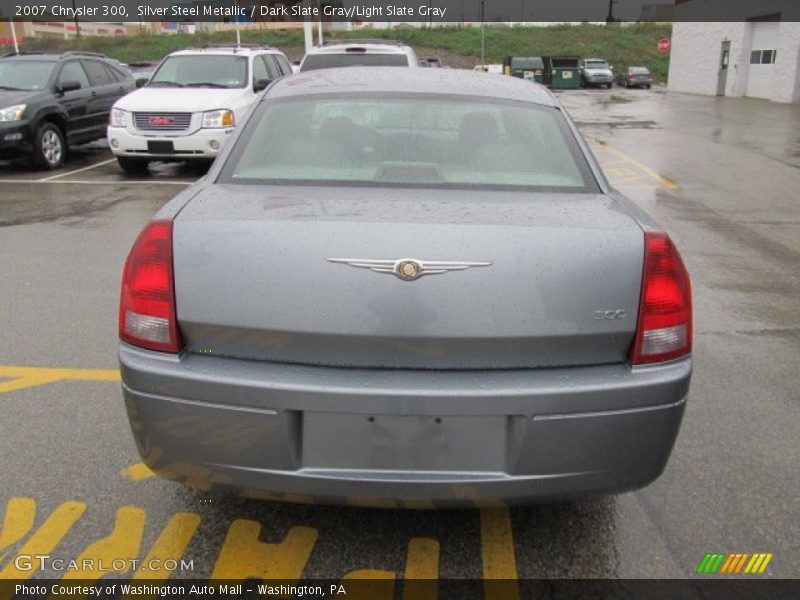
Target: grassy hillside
(460, 46)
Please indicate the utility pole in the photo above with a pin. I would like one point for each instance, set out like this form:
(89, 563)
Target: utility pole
(610, 18)
(483, 35)
(75, 18)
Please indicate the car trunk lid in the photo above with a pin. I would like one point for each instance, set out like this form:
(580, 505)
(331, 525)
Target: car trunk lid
(254, 279)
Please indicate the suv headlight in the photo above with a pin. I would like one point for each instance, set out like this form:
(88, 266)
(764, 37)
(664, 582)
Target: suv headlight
(217, 119)
(12, 113)
(119, 117)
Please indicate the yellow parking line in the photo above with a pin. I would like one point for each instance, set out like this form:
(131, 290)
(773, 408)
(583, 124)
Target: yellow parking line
(25, 377)
(497, 551)
(116, 550)
(18, 521)
(137, 472)
(665, 181)
(243, 556)
(170, 545)
(422, 570)
(45, 539)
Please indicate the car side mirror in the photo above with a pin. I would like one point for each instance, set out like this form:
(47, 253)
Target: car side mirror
(261, 84)
(141, 82)
(611, 67)
(69, 86)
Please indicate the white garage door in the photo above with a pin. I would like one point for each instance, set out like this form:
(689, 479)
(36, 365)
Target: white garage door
(762, 60)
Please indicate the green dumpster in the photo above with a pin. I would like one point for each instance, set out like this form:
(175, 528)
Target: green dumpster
(566, 72)
(525, 67)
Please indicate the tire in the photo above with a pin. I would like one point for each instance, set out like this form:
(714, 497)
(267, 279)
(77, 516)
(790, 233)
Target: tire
(133, 166)
(608, 86)
(50, 148)
(647, 87)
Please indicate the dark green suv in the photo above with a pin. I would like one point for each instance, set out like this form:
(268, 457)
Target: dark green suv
(52, 101)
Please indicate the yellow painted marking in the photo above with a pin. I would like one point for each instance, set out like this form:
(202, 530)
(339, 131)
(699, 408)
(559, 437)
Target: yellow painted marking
(665, 181)
(114, 551)
(18, 521)
(25, 377)
(764, 564)
(422, 570)
(497, 551)
(243, 556)
(170, 545)
(369, 584)
(137, 472)
(45, 538)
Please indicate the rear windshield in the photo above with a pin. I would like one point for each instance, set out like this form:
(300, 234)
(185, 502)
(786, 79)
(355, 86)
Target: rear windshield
(25, 75)
(197, 70)
(353, 59)
(409, 140)
(639, 71)
(596, 64)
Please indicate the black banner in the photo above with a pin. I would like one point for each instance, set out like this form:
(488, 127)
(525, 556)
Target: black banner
(732, 588)
(409, 11)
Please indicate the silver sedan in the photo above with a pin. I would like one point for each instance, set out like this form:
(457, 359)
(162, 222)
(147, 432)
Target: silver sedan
(409, 285)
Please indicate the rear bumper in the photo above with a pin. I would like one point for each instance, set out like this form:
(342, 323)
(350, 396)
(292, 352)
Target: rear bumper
(402, 438)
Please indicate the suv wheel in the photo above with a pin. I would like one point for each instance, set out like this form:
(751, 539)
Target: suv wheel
(49, 147)
(133, 166)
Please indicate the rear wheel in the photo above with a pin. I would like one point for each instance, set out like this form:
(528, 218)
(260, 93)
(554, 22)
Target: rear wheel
(133, 166)
(49, 149)
(647, 87)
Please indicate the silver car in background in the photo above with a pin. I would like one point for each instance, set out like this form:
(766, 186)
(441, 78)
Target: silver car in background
(406, 286)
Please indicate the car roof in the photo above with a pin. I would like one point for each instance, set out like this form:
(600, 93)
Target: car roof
(395, 80)
(226, 50)
(370, 47)
(54, 55)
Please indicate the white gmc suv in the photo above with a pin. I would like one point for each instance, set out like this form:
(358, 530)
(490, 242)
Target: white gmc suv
(188, 109)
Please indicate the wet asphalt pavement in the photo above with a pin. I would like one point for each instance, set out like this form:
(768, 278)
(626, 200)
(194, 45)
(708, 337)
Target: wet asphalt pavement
(722, 175)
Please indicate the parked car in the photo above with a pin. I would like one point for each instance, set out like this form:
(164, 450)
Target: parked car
(50, 102)
(142, 71)
(360, 53)
(494, 69)
(190, 106)
(434, 62)
(406, 284)
(635, 77)
(596, 71)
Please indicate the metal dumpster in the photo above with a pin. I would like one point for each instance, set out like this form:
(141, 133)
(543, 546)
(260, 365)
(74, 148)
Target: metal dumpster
(566, 72)
(525, 67)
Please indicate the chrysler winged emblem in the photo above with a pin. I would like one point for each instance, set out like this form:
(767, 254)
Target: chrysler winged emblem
(409, 269)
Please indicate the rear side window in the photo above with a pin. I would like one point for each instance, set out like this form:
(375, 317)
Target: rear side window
(98, 74)
(283, 64)
(115, 74)
(272, 66)
(354, 59)
(412, 140)
(73, 71)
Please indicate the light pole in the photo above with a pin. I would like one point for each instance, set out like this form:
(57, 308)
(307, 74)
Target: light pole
(483, 36)
(610, 18)
(75, 18)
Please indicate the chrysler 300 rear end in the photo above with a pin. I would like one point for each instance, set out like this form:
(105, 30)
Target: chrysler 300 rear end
(424, 298)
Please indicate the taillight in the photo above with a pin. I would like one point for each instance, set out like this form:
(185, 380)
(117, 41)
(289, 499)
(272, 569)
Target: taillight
(147, 303)
(664, 330)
